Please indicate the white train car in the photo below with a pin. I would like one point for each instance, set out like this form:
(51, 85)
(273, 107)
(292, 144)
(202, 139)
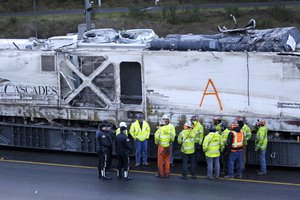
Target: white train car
(50, 97)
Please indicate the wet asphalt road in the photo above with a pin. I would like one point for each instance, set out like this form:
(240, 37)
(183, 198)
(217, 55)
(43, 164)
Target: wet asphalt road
(31, 181)
(78, 180)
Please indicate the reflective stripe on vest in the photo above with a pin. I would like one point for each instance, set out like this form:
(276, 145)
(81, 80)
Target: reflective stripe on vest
(164, 136)
(198, 129)
(187, 140)
(212, 145)
(237, 140)
(187, 147)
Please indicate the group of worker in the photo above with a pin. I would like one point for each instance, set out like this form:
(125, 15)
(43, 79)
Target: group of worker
(227, 144)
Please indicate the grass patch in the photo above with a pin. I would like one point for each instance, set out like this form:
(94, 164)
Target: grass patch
(167, 21)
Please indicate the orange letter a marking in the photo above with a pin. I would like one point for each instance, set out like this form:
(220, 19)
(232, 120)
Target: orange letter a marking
(215, 92)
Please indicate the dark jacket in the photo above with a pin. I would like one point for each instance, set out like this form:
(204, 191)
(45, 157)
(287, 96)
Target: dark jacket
(230, 140)
(104, 141)
(123, 145)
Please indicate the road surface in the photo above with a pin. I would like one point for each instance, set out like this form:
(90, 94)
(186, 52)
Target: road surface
(33, 175)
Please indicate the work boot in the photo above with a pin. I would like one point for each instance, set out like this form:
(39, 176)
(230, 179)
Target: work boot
(146, 164)
(99, 175)
(228, 176)
(183, 177)
(239, 176)
(209, 177)
(105, 178)
(128, 178)
(261, 173)
(137, 164)
(119, 174)
(102, 174)
(157, 175)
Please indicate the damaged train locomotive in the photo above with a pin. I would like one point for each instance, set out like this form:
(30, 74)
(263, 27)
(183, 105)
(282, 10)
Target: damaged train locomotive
(53, 92)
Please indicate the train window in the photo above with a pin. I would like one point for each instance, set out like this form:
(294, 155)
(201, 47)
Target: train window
(69, 81)
(131, 83)
(48, 64)
(105, 81)
(87, 98)
(88, 64)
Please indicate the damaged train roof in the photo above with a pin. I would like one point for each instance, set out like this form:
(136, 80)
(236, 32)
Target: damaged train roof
(285, 39)
(267, 40)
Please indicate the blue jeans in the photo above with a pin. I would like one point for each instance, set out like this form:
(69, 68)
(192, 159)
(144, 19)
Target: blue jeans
(213, 163)
(141, 150)
(235, 156)
(262, 159)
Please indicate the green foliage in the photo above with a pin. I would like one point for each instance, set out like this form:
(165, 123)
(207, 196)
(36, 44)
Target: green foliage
(134, 11)
(12, 20)
(191, 15)
(265, 23)
(280, 13)
(17, 6)
(169, 13)
(232, 10)
(169, 20)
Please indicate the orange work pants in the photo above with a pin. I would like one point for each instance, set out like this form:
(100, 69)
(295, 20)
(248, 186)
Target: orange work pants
(163, 162)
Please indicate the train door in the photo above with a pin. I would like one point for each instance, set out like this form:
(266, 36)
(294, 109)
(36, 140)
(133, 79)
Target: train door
(132, 95)
(131, 83)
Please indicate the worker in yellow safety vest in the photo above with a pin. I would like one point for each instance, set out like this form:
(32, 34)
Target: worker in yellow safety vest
(261, 142)
(140, 131)
(186, 139)
(217, 123)
(212, 147)
(199, 136)
(171, 129)
(163, 138)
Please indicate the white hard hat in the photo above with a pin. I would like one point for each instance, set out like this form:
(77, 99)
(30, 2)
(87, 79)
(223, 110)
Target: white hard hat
(188, 123)
(217, 118)
(260, 122)
(162, 122)
(166, 116)
(123, 124)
